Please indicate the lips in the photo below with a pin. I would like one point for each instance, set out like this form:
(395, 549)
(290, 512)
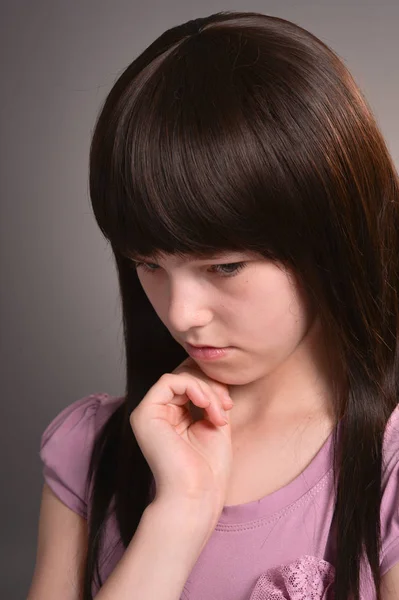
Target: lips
(212, 347)
(207, 353)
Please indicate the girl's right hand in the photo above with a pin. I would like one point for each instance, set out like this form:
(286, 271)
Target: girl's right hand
(189, 459)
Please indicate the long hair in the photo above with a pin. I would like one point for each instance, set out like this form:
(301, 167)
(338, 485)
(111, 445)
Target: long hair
(241, 131)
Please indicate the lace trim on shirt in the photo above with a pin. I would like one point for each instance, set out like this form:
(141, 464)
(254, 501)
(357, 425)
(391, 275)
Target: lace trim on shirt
(307, 578)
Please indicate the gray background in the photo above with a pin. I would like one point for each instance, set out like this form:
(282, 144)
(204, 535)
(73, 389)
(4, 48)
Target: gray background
(61, 334)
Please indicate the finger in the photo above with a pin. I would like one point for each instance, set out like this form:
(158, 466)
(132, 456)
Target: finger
(215, 409)
(223, 393)
(190, 366)
(227, 401)
(174, 389)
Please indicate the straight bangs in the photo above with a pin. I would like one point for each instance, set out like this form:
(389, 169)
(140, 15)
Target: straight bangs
(200, 154)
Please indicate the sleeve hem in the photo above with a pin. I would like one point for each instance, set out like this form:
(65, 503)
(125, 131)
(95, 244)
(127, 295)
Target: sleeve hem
(66, 496)
(390, 558)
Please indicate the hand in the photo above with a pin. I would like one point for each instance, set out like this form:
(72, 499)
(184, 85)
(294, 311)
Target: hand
(189, 459)
(190, 366)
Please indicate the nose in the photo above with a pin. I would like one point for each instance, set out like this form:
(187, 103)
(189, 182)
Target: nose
(188, 308)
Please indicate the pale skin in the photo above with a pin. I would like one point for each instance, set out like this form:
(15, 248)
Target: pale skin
(277, 374)
(278, 378)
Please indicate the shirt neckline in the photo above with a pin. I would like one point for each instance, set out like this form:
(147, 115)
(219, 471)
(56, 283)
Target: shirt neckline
(286, 495)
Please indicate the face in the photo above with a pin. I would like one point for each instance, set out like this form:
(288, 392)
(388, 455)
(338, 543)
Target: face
(260, 311)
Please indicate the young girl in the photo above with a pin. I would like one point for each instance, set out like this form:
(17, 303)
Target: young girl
(251, 205)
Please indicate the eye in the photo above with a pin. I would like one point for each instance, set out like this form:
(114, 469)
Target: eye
(231, 272)
(237, 267)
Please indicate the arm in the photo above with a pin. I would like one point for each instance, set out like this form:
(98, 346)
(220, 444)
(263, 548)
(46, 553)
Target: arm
(390, 584)
(161, 554)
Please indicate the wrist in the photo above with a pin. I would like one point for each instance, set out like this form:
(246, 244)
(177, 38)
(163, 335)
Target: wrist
(162, 552)
(193, 516)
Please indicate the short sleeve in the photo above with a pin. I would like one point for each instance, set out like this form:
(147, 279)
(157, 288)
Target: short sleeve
(66, 447)
(390, 496)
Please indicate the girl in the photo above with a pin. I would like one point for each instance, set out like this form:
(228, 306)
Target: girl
(251, 205)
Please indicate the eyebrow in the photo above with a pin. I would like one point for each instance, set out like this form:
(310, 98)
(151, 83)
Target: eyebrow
(214, 256)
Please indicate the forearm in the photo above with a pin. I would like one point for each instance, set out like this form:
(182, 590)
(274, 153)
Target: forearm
(160, 556)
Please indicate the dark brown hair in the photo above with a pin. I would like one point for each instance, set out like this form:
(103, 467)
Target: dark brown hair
(245, 131)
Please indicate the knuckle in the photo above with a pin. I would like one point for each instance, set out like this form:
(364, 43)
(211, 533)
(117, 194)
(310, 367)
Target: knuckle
(204, 386)
(165, 376)
(216, 389)
(219, 387)
(133, 416)
(132, 422)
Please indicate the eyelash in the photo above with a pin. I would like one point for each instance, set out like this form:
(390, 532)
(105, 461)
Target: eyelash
(238, 268)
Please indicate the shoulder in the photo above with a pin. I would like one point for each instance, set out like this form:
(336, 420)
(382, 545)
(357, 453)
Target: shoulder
(66, 445)
(82, 415)
(390, 494)
(391, 442)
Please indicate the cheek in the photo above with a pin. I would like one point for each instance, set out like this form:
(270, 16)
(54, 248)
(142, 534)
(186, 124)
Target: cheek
(280, 320)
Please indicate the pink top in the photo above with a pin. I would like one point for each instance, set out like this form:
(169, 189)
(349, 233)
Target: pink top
(275, 548)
